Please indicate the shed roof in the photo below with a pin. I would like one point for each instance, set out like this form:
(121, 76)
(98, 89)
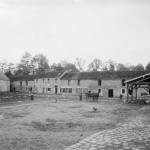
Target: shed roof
(105, 75)
(142, 77)
(3, 76)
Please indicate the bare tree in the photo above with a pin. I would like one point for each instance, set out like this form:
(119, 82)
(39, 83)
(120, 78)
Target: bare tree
(95, 65)
(80, 63)
(109, 65)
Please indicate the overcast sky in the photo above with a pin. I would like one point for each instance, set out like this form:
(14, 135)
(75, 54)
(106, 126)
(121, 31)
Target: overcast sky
(66, 29)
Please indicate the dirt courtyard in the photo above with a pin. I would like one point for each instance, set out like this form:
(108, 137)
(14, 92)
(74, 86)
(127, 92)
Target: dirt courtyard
(47, 124)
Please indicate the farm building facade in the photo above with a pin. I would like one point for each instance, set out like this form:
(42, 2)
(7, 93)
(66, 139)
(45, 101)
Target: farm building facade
(107, 84)
(43, 83)
(4, 83)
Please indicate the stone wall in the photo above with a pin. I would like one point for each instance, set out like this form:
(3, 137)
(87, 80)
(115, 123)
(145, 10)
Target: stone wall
(65, 87)
(47, 85)
(26, 87)
(93, 86)
(4, 86)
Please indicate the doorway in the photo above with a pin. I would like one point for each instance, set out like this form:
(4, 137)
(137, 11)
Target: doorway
(55, 89)
(110, 93)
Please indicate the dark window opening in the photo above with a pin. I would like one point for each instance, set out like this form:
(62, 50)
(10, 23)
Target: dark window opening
(30, 89)
(123, 82)
(68, 82)
(99, 82)
(78, 82)
(99, 90)
(26, 82)
(48, 89)
(20, 83)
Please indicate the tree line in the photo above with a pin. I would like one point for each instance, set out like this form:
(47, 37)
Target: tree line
(40, 64)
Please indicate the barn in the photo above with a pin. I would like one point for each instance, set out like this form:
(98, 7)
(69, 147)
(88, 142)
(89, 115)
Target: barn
(110, 84)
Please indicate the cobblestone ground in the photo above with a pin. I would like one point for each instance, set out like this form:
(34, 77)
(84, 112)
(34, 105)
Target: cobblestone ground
(133, 136)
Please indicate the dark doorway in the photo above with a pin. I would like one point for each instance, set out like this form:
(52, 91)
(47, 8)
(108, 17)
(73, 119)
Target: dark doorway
(110, 93)
(55, 89)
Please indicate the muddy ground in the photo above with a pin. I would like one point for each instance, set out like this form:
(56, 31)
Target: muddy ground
(54, 125)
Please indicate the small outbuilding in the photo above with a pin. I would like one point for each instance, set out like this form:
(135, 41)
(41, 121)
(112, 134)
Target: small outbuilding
(137, 84)
(4, 83)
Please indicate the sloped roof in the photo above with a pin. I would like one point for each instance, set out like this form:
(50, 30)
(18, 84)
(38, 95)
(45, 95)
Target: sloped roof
(3, 76)
(50, 75)
(105, 75)
(23, 78)
(32, 77)
(142, 77)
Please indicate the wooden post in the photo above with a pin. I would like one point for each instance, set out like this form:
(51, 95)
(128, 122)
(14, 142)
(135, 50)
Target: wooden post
(132, 93)
(136, 92)
(127, 92)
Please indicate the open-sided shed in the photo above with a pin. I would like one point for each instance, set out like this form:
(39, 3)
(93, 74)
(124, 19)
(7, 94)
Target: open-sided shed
(139, 82)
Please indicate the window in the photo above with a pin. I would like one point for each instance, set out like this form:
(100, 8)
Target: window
(78, 82)
(26, 82)
(48, 89)
(20, 83)
(123, 91)
(48, 80)
(68, 82)
(123, 82)
(78, 90)
(66, 90)
(99, 90)
(70, 90)
(99, 82)
(55, 81)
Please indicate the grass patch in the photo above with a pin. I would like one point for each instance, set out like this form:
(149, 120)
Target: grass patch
(52, 125)
(40, 126)
(91, 114)
(75, 106)
(72, 125)
(14, 115)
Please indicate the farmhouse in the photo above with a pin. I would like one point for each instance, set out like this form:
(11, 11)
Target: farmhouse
(23, 83)
(108, 84)
(48, 83)
(4, 83)
(44, 83)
